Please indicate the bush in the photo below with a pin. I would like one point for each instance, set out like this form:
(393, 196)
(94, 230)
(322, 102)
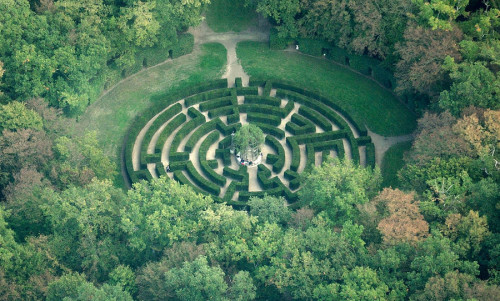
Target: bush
(294, 165)
(267, 88)
(256, 82)
(217, 103)
(192, 100)
(300, 125)
(280, 160)
(200, 132)
(263, 100)
(201, 181)
(316, 117)
(181, 178)
(230, 191)
(171, 126)
(185, 43)
(319, 137)
(152, 55)
(160, 170)
(244, 91)
(263, 118)
(313, 47)
(364, 140)
(271, 130)
(384, 77)
(238, 82)
(187, 128)
(338, 55)
(362, 64)
(224, 155)
(370, 155)
(275, 41)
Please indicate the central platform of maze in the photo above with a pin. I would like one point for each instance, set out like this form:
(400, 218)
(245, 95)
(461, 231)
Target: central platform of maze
(190, 133)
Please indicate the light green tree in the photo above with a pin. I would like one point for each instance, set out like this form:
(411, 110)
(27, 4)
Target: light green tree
(15, 116)
(247, 140)
(337, 186)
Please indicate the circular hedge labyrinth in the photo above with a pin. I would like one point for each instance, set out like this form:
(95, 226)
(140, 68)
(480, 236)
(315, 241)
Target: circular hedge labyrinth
(190, 132)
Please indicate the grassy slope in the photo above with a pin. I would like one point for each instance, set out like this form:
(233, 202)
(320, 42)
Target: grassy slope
(393, 162)
(112, 114)
(365, 100)
(229, 15)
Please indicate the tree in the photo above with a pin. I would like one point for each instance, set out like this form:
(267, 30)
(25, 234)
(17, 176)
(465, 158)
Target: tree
(404, 222)
(196, 281)
(435, 257)
(248, 140)
(436, 137)
(159, 213)
(124, 277)
(423, 53)
(85, 222)
(439, 14)
(15, 116)
(473, 85)
(270, 209)
(337, 186)
(362, 283)
(242, 287)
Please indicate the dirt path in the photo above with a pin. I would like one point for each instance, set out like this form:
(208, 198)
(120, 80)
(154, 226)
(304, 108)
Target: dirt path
(203, 34)
(382, 144)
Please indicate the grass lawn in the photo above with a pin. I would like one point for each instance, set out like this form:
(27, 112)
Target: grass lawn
(393, 162)
(364, 99)
(229, 15)
(111, 115)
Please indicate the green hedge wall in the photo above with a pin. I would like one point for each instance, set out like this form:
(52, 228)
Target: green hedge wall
(217, 103)
(276, 42)
(263, 118)
(300, 125)
(201, 181)
(171, 126)
(292, 143)
(313, 47)
(263, 100)
(271, 130)
(201, 97)
(280, 161)
(224, 155)
(370, 155)
(185, 44)
(238, 82)
(316, 117)
(245, 91)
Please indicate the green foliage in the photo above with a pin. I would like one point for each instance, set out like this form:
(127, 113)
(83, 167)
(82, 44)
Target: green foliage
(269, 209)
(227, 15)
(184, 45)
(124, 277)
(15, 116)
(337, 187)
(276, 41)
(149, 218)
(473, 85)
(248, 140)
(392, 163)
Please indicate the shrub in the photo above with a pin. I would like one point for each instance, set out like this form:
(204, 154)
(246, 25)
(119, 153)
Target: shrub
(256, 82)
(362, 64)
(300, 125)
(184, 45)
(316, 117)
(384, 77)
(206, 96)
(217, 103)
(280, 160)
(370, 155)
(275, 41)
(271, 130)
(313, 47)
(160, 170)
(201, 181)
(364, 140)
(224, 155)
(264, 118)
(294, 165)
(267, 88)
(171, 126)
(244, 91)
(338, 55)
(200, 132)
(238, 82)
(263, 100)
(152, 55)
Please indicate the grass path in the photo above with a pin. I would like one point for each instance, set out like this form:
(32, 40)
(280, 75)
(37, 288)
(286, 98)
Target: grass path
(361, 97)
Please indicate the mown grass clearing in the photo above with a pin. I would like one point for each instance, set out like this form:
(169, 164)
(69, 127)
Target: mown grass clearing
(228, 15)
(111, 115)
(393, 162)
(361, 97)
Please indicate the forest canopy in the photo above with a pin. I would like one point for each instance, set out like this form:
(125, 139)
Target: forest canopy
(69, 232)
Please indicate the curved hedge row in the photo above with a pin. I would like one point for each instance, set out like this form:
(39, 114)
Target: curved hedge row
(314, 126)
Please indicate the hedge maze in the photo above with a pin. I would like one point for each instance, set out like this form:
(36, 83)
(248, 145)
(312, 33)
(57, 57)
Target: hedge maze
(190, 132)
